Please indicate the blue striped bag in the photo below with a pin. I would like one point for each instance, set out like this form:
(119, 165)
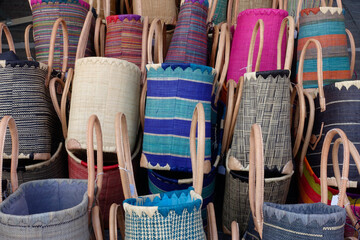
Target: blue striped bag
(173, 90)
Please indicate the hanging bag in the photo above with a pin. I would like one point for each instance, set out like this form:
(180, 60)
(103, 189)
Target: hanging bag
(54, 208)
(156, 216)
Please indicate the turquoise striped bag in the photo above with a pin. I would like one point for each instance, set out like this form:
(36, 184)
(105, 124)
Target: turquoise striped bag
(173, 90)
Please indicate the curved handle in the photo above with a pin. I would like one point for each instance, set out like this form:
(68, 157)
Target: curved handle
(256, 177)
(52, 49)
(97, 224)
(98, 6)
(216, 34)
(320, 75)
(27, 42)
(98, 36)
(235, 235)
(144, 38)
(222, 60)
(116, 213)
(124, 157)
(53, 94)
(5, 122)
(156, 28)
(259, 24)
(353, 51)
(197, 155)
(229, 111)
(290, 43)
(345, 172)
(84, 36)
(5, 29)
(308, 131)
(94, 123)
(229, 13)
(211, 11)
(300, 128)
(299, 8)
(211, 219)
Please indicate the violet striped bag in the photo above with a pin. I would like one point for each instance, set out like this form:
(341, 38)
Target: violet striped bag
(189, 43)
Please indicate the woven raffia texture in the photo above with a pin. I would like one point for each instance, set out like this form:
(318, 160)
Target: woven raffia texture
(46, 209)
(111, 191)
(342, 111)
(292, 6)
(104, 86)
(242, 37)
(23, 95)
(172, 215)
(328, 27)
(55, 167)
(303, 221)
(220, 12)
(236, 197)
(165, 10)
(124, 38)
(45, 13)
(189, 43)
(266, 102)
(248, 4)
(161, 181)
(172, 94)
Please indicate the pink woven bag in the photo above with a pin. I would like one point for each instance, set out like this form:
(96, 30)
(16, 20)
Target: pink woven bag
(241, 41)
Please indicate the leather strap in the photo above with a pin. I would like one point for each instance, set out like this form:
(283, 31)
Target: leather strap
(353, 51)
(27, 42)
(212, 233)
(235, 235)
(290, 43)
(259, 25)
(302, 108)
(5, 122)
(156, 28)
(5, 29)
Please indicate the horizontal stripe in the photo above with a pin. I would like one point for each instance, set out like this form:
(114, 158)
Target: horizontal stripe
(325, 40)
(174, 108)
(321, 28)
(342, 75)
(177, 128)
(329, 64)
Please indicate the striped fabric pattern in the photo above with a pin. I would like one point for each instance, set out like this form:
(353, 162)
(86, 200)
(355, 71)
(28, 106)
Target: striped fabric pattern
(292, 6)
(23, 95)
(189, 43)
(220, 12)
(124, 38)
(266, 102)
(172, 94)
(328, 27)
(45, 13)
(342, 111)
(173, 215)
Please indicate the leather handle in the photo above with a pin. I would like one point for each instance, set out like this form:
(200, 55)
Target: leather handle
(197, 155)
(27, 42)
(353, 51)
(256, 177)
(222, 61)
(5, 29)
(144, 38)
(124, 157)
(156, 28)
(99, 38)
(211, 11)
(216, 34)
(116, 219)
(98, 6)
(302, 108)
(84, 36)
(345, 172)
(94, 124)
(5, 122)
(231, 84)
(97, 224)
(53, 94)
(320, 75)
(235, 235)
(259, 25)
(290, 43)
(59, 21)
(211, 219)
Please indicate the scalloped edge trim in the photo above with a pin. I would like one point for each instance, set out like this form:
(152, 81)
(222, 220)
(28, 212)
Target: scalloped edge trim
(264, 11)
(202, 2)
(42, 66)
(192, 67)
(108, 61)
(123, 18)
(80, 2)
(324, 10)
(252, 76)
(347, 84)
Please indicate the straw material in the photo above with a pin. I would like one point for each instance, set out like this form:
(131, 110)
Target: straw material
(173, 92)
(266, 101)
(292, 6)
(45, 13)
(242, 37)
(328, 27)
(189, 43)
(112, 186)
(164, 10)
(103, 86)
(220, 12)
(247, 4)
(55, 167)
(25, 97)
(342, 108)
(124, 38)
(236, 197)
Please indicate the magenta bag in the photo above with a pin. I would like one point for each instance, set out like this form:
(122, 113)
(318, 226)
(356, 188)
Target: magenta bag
(246, 21)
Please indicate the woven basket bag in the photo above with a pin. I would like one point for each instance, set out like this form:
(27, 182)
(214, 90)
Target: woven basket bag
(292, 5)
(49, 209)
(45, 13)
(297, 221)
(156, 216)
(327, 25)
(220, 12)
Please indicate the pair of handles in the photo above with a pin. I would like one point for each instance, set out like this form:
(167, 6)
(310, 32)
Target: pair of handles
(256, 172)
